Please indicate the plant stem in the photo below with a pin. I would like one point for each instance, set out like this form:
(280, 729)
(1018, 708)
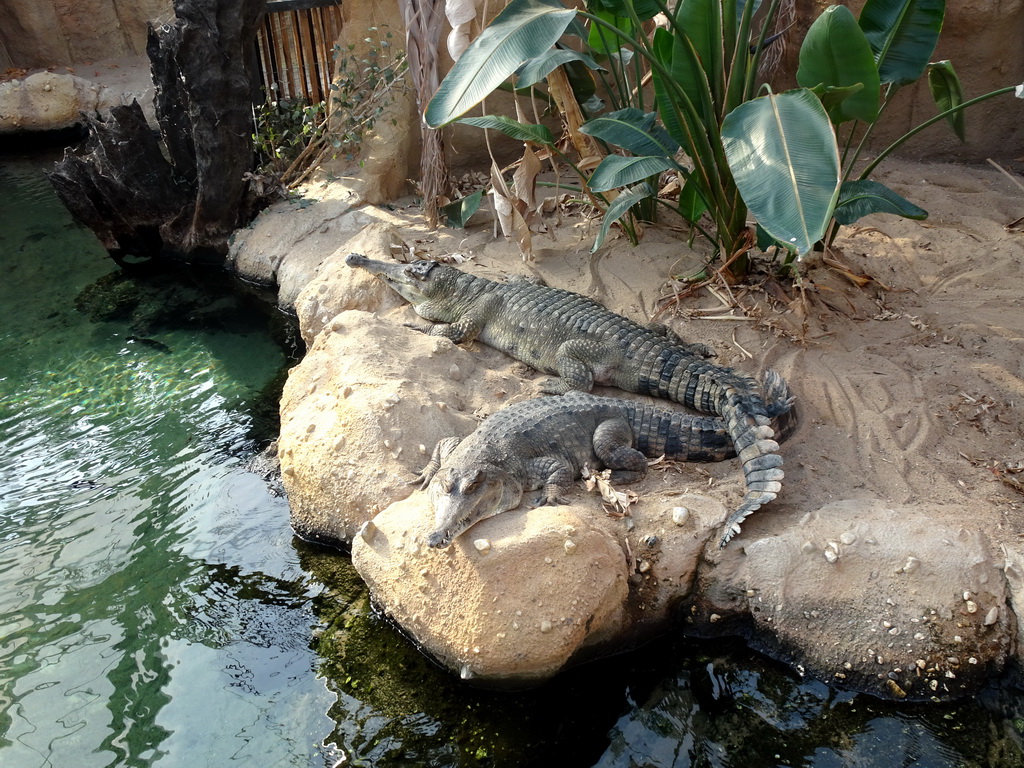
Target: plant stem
(890, 93)
(941, 116)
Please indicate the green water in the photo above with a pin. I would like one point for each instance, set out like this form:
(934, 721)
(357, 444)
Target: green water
(155, 608)
(152, 606)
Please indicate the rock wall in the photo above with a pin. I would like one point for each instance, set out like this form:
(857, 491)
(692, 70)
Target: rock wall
(985, 43)
(55, 33)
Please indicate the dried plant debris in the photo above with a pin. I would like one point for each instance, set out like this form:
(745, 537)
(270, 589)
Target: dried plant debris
(408, 251)
(616, 503)
(1009, 473)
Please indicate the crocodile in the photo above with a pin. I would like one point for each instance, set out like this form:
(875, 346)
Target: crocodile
(544, 443)
(583, 343)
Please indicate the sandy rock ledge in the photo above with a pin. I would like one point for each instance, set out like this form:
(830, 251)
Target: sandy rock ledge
(859, 593)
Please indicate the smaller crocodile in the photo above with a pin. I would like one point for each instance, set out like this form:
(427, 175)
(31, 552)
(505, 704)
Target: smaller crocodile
(545, 442)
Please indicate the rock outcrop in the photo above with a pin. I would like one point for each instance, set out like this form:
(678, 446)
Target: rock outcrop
(48, 101)
(861, 593)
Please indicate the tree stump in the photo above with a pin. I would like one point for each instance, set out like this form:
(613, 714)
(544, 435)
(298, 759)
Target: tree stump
(182, 195)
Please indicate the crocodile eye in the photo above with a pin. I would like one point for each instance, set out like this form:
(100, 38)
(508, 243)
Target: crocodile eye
(420, 269)
(473, 482)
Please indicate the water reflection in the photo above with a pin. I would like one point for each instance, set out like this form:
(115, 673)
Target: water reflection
(152, 609)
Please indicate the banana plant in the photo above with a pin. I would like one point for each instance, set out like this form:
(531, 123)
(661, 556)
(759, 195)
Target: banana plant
(775, 156)
(702, 66)
(855, 67)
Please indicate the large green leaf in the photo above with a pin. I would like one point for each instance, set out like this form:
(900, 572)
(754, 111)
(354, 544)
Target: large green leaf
(662, 44)
(602, 40)
(525, 29)
(619, 208)
(634, 130)
(692, 202)
(616, 171)
(459, 212)
(538, 68)
(698, 60)
(783, 155)
(535, 132)
(947, 93)
(645, 9)
(860, 197)
(836, 54)
(902, 35)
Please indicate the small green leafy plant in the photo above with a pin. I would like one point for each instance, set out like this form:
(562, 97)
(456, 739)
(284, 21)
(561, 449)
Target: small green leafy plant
(293, 136)
(283, 128)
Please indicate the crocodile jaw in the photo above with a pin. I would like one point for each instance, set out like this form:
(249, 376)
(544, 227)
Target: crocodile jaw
(414, 281)
(462, 498)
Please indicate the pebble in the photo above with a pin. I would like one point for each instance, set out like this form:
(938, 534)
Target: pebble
(911, 565)
(972, 607)
(545, 626)
(680, 515)
(847, 537)
(483, 546)
(570, 547)
(831, 555)
(992, 616)
(367, 531)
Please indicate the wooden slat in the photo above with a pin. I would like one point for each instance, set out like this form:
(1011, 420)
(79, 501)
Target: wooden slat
(295, 48)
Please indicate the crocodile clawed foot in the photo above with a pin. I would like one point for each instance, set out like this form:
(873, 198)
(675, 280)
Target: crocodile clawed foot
(418, 327)
(555, 386)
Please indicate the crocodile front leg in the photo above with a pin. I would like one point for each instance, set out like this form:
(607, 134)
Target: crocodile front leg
(464, 329)
(442, 451)
(551, 474)
(462, 322)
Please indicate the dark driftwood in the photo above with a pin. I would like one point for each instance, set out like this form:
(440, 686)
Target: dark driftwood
(184, 198)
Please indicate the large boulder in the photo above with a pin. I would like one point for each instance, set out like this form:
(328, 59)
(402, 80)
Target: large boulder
(868, 595)
(48, 101)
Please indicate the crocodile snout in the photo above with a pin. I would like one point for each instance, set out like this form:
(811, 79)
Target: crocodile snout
(439, 540)
(356, 260)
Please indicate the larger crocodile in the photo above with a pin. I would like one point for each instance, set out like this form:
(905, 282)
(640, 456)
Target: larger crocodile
(564, 333)
(545, 442)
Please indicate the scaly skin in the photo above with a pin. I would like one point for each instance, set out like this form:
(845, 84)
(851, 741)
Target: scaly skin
(582, 342)
(544, 443)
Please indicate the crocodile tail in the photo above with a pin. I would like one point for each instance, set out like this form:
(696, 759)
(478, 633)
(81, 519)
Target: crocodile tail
(757, 446)
(779, 404)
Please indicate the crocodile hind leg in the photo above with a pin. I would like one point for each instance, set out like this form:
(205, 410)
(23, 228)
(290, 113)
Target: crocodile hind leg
(701, 350)
(577, 361)
(613, 445)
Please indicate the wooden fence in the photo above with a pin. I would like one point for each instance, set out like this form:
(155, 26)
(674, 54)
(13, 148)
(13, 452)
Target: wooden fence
(296, 48)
